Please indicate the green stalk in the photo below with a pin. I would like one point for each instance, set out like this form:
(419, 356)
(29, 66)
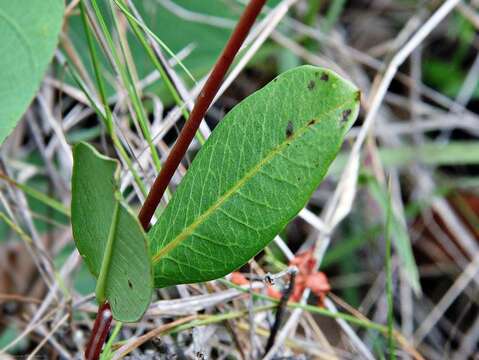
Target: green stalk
(108, 116)
(159, 41)
(106, 354)
(151, 54)
(212, 319)
(105, 264)
(314, 309)
(313, 9)
(127, 82)
(126, 72)
(23, 235)
(389, 280)
(333, 14)
(44, 199)
(136, 30)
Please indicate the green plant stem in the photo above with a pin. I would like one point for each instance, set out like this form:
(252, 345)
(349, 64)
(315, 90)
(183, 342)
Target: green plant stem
(313, 9)
(202, 104)
(24, 236)
(108, 116)
(48, 201)
(106, 354)
(149, 51)
(105, 264)
(162, 44)
(127, 81)
(134, 23)
(127, 71)
(389, 280)
(334, 12)
(313, 309)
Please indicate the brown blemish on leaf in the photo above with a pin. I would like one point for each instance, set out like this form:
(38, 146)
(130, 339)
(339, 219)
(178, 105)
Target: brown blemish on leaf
(130, 285)
(289, 129)
(311, 122)
(345, 114)
(325, 77)
(311, 84)
(358, 95)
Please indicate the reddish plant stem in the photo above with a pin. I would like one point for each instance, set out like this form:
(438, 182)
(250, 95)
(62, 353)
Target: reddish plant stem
(202, 104)
(101, 328)
(205, 98)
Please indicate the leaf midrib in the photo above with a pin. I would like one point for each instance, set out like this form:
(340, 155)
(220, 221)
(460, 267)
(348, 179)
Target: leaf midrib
(187, 231)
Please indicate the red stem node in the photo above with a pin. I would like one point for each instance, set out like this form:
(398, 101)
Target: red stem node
(99, 332)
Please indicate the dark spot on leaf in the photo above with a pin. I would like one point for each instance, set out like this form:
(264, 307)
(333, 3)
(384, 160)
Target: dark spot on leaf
(344, 116)
(311, 85)
(358, 95)
(130, 285)
(289, 129)
(325, 77)
(311, 122)
(276, 79)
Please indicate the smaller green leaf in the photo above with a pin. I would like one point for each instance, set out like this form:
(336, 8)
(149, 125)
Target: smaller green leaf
(109, 237)
(93, 201)
(125, 278)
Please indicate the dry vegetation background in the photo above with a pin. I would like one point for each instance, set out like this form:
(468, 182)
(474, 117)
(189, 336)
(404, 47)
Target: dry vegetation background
(417, 65)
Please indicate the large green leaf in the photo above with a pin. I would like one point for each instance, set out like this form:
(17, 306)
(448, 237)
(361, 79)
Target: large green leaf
(28, 34)
(108, 236)
(253, 175)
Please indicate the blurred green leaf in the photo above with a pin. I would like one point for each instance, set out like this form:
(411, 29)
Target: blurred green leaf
(8, 335)
(28, 33)
(444, 76)
(430, 153)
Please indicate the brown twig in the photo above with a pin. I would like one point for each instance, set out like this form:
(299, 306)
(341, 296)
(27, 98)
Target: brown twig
(280, 313)
(202, 104)
(19, 298)
(206, 96)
